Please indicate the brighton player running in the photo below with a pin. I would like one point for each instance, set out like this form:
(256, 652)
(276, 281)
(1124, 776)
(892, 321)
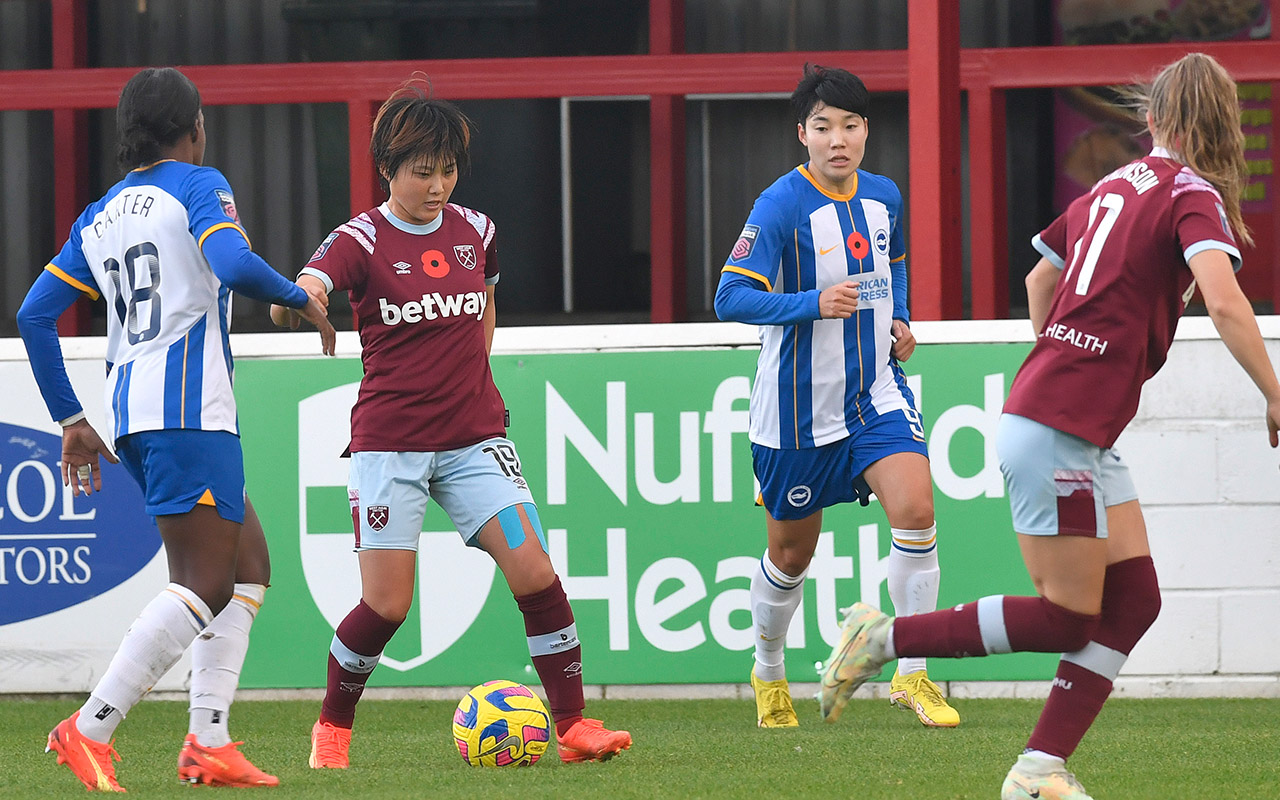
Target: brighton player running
(821, 267)
(1117, 270)
(429, 422)
(164, 248)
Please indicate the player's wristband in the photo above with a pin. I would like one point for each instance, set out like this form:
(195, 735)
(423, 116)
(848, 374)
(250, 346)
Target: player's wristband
(71, 420)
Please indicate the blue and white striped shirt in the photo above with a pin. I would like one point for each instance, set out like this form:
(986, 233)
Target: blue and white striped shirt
(819, 380)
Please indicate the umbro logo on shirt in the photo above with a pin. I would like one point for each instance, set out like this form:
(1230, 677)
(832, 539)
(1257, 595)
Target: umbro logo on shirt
(402, 268)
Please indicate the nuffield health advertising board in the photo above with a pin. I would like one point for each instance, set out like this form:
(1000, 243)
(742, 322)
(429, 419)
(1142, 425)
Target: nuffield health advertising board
(641, 468)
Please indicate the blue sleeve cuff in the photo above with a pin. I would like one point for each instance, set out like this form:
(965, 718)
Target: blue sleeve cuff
(246, 273)
(898, 271)
(38, 325)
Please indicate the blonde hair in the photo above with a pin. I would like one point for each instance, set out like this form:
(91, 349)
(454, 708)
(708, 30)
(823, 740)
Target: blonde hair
(1195, 112)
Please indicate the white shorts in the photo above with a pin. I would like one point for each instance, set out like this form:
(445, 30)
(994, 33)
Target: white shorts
(389, 491)
(1059, 484)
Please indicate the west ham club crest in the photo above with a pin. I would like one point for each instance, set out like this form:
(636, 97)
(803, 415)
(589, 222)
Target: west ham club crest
(466, 255)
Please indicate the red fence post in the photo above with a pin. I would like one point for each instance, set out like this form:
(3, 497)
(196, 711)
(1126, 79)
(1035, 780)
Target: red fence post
(933, 108)
(364, 181)
(988, 205)
(666, 174)
(70, 145)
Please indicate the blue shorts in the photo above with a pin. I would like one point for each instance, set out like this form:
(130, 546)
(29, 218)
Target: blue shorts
(180, 469)
(1059, 484)
(797, 483)
(389, 491)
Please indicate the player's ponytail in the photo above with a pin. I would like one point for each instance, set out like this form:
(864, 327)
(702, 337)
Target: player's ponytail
(157, 107)
(1195, 112)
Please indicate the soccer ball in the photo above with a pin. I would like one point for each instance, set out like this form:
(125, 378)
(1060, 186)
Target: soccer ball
(501, 724)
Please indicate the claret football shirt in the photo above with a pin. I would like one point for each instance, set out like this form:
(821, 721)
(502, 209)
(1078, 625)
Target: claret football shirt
(419, 294)
(1123, 250)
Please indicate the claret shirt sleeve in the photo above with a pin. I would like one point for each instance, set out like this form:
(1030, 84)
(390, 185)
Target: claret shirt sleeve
(1051, 242)
(340, 259)
(1200, 222)
(490, 255)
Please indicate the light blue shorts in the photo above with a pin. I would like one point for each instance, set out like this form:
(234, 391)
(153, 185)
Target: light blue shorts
(1059, 484)
(389, 491)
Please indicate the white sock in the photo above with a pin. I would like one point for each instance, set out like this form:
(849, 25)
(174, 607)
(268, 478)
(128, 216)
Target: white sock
(217, 656)
(1044, 759)
(154, 642)
(913, 579)
(775, 596)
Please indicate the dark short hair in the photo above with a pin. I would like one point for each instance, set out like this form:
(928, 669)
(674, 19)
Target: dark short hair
(157, 107)
(411, 125)
(833, 86)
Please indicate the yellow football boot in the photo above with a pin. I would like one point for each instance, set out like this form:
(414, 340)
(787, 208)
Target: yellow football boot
(773, 703)
(915, 692)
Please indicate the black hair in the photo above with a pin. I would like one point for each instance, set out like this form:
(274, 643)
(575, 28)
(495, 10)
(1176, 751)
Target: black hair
(412, 125)
(157, 107)
(833, 86)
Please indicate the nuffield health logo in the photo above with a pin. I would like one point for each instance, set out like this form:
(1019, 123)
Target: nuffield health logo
(56, 550)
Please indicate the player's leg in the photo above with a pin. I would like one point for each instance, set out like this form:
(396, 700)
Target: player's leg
(1058, 511)
(388, 493)
(904, 486)
(201, 547)
(515, 539)
(489, 502)
(217, 655)
(1130, 604)
(777, 587)
(795, 486)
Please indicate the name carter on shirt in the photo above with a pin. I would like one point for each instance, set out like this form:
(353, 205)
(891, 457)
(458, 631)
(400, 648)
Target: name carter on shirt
(124, 203)
(1085, 341)
(433, 306)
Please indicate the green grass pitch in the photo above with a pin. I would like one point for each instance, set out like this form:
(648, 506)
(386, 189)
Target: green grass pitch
(1163, 749)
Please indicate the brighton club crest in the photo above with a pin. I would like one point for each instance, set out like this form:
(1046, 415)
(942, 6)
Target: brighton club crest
(466, 255)
(377, 516)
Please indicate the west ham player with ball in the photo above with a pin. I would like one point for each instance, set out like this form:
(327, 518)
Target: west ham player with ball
(429, 422)
(1116, 271)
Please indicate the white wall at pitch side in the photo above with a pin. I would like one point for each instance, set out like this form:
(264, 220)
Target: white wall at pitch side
(1208, 481)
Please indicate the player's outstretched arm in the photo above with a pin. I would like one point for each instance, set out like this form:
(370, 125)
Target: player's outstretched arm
(1232, 315)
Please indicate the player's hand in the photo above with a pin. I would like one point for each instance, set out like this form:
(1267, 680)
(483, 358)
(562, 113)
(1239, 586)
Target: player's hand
(1273, 422)
(283, 316)
(839, 301)
(81, 446)
(904, 341)
(315, 313)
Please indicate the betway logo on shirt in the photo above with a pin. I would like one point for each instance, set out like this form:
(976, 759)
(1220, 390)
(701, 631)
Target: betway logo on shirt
(433, 306)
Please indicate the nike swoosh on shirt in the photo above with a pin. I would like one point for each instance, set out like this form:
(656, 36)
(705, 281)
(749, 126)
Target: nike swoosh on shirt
(828, 250)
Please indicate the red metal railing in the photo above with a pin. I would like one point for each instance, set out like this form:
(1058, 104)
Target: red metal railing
(927, 70)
